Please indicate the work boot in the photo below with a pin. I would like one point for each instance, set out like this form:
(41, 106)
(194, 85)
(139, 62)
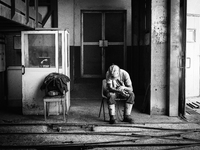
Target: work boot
(111, 109)
(127, 113)
(113, 119)
(127, 118)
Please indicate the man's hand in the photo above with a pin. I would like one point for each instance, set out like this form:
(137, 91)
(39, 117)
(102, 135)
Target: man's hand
(123, 91)
(121, 88)
(125, 88)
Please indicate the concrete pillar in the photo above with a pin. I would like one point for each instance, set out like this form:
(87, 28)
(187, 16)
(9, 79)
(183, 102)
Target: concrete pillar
(166, 53)
(158, 89)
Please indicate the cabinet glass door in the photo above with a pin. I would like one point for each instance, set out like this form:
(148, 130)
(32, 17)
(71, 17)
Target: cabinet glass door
(39, 58)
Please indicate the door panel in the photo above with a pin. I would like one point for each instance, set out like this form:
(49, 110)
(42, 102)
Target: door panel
(192, 57)
(92, 61)
(92, 27)
(91, 52)
(114, 27)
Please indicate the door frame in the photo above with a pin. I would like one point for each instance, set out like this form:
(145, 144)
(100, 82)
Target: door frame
(103, 36)
(177, 51)
(182, 98)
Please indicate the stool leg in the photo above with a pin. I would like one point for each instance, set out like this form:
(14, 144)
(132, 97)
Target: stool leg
(45, 111)
(64, 109)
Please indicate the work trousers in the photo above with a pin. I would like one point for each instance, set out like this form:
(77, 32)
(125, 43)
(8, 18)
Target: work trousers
(112, 98)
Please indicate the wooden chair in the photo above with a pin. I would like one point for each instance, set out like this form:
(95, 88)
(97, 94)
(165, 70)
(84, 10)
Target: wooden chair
(49, 99)
(104, 98)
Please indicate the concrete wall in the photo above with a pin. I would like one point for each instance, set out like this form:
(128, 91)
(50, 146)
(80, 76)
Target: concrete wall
(158, 57)
(66, 17)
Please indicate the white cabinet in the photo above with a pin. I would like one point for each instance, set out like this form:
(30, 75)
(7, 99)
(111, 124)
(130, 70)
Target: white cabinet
(14, 81)
(43, 52)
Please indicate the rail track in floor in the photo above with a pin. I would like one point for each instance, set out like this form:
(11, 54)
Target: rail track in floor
(89, 136)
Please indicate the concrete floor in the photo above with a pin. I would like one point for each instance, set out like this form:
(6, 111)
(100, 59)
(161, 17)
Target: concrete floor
(83, 128)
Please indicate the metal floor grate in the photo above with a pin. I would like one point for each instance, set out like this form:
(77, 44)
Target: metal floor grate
(191, 111)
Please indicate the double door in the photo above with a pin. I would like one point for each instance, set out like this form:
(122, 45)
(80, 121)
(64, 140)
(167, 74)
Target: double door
(103, 41)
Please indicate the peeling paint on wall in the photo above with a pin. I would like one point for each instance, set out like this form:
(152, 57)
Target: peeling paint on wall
(160, 25)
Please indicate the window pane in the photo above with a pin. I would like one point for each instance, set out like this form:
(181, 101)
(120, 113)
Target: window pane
(41, 51)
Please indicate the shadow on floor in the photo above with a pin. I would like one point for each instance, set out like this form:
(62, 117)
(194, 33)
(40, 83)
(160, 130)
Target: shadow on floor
(85, 106)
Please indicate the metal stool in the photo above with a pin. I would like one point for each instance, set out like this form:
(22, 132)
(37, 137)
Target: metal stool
(57, 99)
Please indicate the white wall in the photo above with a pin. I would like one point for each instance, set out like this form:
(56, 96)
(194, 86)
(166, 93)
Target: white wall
(66, 17)
(193, 6)
(43, 12)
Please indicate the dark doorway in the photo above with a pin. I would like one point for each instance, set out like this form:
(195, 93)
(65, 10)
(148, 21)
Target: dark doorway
(103, 42)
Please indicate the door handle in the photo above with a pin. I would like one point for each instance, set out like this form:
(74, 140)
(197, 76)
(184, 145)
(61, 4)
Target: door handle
(23, 69)
(103, 43)
(100, 43)
(180, 62)
(189, 59)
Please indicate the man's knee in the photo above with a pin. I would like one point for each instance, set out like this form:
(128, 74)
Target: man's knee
(131, 98)
(132, 95)
(111, 98)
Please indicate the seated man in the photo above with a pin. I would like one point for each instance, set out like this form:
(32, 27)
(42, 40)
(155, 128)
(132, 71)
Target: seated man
(119, 85)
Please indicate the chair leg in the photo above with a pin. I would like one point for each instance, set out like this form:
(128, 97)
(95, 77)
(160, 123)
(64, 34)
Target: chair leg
(104, 111)
(100, 108)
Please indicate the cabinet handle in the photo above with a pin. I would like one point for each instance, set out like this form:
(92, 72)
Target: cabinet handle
(23, 69)
(189, 59)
